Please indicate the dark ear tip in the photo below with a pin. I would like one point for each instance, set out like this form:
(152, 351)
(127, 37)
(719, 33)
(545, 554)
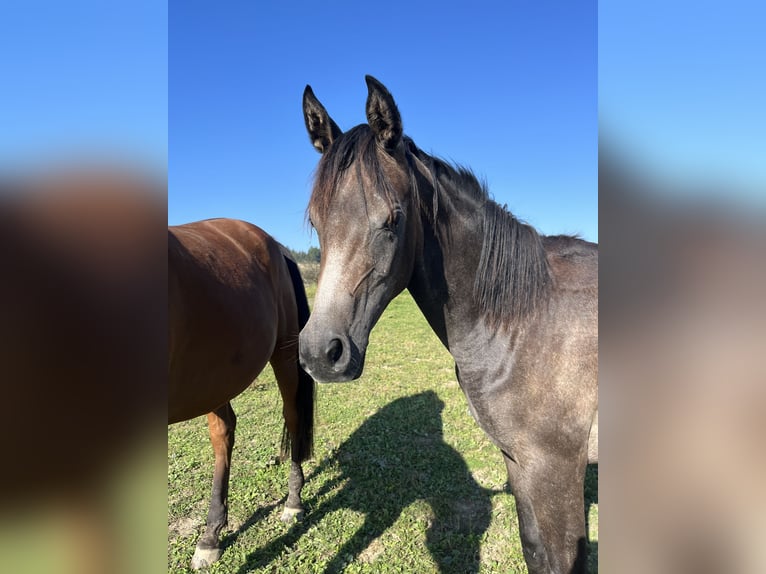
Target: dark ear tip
(308, 91)
(372, 82)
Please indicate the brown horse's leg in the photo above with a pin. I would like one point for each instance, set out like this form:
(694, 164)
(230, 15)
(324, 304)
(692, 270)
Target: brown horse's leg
(286, 373)
(221, 424)
(550, 508)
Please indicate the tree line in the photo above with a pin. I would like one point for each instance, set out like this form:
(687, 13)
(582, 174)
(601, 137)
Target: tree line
(310, 256)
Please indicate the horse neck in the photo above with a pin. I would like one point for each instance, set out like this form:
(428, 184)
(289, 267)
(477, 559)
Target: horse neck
(462, 231)
(448, 257)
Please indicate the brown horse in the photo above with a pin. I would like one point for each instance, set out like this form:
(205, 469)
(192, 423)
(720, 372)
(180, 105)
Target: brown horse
(517, 311)
(236, 301)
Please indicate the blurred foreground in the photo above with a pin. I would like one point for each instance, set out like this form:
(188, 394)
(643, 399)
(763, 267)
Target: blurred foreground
(682, 374)
(82, 357)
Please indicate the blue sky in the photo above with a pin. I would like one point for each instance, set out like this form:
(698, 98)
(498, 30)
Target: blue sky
(505, 88)
(682, 86)
(83, 79)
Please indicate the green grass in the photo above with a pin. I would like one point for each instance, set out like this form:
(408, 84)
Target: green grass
(402, 479)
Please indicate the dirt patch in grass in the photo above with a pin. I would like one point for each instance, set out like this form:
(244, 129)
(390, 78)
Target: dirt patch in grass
(182, 528)
(372, 552)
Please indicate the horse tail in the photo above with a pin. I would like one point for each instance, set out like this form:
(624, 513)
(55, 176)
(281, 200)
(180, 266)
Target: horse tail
(306, 395)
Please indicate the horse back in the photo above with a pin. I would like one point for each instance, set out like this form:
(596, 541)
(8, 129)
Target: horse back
(573, 262)
(573, 304)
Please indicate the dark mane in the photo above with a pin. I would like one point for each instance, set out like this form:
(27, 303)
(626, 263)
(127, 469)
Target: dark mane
(512, 278)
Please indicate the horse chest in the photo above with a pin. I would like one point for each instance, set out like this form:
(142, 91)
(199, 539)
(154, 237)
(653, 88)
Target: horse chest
(488, 377)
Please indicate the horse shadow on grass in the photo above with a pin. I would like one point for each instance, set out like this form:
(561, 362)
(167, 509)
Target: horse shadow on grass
(398, 456)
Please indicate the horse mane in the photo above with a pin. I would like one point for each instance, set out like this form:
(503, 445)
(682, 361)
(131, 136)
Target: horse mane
(512, 279)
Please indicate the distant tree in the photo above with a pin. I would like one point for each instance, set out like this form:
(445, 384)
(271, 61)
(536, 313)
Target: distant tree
(312, 256)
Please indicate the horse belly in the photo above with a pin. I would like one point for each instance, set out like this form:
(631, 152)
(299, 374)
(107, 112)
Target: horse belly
(213, 365)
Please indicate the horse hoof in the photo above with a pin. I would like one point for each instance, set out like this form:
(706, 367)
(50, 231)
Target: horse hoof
(292, 515)
(204, 557)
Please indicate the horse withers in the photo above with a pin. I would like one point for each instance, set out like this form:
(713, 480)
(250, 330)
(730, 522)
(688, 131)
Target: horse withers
(236, 301)
(518, 311)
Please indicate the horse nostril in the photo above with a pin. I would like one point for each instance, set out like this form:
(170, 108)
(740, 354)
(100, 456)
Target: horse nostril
(334, 350)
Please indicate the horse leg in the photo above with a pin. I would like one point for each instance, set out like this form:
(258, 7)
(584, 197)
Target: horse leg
(550, 507)
(286, 373)
(294, 507)
(221, 424)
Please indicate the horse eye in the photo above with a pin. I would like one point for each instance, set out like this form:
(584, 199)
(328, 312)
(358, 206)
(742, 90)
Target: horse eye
(396, 218)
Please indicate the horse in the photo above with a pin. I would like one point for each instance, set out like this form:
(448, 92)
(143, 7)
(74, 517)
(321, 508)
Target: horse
(236, 301)
(517, 310)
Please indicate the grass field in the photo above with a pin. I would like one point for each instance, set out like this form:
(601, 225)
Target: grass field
(402, 479)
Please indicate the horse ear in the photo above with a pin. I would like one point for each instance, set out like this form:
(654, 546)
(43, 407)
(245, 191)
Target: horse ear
(322, 129)
(383, 115)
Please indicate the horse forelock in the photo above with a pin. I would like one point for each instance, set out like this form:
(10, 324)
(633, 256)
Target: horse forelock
(356, 147)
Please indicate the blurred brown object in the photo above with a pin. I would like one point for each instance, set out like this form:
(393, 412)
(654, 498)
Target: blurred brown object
(682, 377)
(82, 339)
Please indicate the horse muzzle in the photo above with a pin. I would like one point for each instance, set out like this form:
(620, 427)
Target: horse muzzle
(328, 356)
